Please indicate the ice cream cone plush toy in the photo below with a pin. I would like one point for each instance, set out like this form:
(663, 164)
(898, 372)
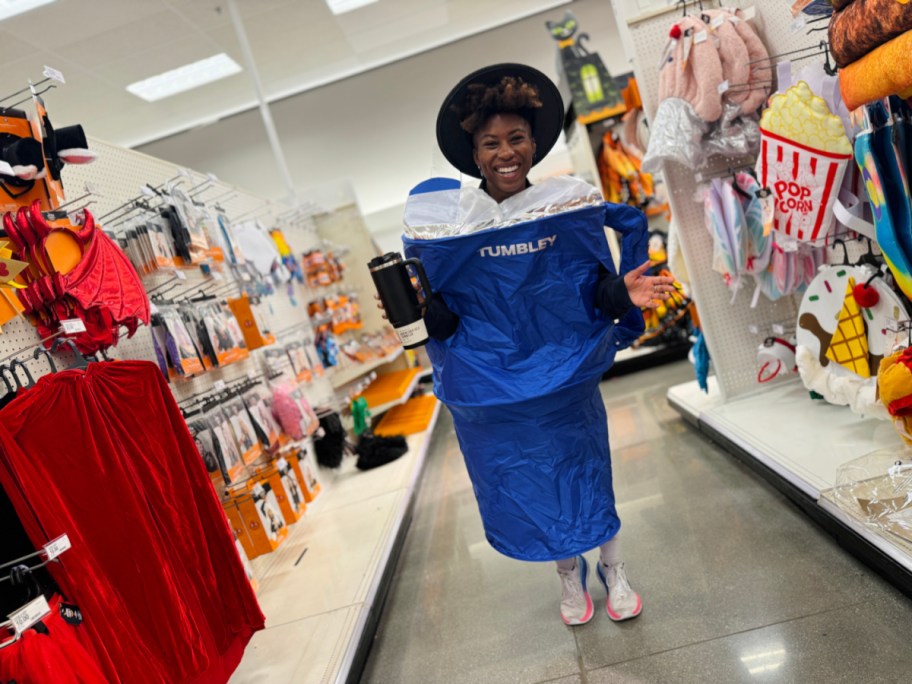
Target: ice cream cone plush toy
(849, 346)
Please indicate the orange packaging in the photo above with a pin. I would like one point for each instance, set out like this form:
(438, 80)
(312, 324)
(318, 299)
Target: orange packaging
(240, 307)
(262, 519)
(14, 123)
(236, 521)
(302, 463)
(288, 491)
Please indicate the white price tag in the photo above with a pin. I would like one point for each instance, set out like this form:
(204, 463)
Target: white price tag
(723, 87)
(718, 21)
(218, 385)
(778, 329)
(181, 171)
(282, 464)
(749, 13)
(146, 191)
(180, 275)
(29, 614)
(217, 276)
(788, 244)
(53, 74)
(258, 491)
(688, 44)
(212, 177)
(56, 547)
(700, 37)
(72, 326)
(92, 189)
(152, 308)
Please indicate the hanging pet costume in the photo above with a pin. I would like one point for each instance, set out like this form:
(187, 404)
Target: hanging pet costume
(521, 373)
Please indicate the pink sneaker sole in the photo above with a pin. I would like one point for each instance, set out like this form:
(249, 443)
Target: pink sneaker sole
(620, 618)
(590, 609)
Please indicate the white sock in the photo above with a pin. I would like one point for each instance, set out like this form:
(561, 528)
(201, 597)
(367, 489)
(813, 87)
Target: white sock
(610, 552)
(566, 565)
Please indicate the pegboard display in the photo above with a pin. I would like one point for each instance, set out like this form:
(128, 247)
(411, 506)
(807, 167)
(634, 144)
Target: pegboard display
(114, 180)
(732, 328)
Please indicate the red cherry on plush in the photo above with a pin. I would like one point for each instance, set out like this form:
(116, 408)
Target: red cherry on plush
(675, 32)
(866, 296)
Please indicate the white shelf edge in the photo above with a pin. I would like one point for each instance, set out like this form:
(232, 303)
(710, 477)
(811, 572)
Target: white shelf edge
(369, 601)
(341, 378)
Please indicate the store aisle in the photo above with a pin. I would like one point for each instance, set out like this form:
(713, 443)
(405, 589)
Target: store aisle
(738, 585)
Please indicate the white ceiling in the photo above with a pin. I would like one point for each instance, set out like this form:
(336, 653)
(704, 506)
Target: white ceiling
(101, 46)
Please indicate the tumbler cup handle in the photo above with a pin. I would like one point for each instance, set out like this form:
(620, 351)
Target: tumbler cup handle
(422, 278)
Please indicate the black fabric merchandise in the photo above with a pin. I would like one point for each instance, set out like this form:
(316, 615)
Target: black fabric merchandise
(179, 233)
(208, 448)
(611, 297)
(331, 446)
(261, 435)
(14, 543)
(374, 452)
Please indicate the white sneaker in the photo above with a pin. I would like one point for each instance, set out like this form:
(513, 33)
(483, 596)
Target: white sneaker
(576, 604)
(623, 603)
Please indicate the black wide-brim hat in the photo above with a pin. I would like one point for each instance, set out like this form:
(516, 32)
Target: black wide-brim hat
(547, 120)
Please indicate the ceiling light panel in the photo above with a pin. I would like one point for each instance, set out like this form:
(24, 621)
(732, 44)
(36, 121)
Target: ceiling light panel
(343, 6)
(185, 78)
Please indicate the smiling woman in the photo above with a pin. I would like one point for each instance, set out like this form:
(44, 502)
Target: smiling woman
(497, 118)
(523, 320)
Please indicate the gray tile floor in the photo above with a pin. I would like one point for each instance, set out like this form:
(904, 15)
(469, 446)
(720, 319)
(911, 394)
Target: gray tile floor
(738, 586)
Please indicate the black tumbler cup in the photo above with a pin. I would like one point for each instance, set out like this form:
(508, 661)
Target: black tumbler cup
(394, 285)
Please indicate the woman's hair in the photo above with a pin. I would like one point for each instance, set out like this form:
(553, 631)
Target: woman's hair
(511, 96)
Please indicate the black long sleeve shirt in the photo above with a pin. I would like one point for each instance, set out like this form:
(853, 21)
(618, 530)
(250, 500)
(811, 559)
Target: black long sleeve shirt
(611, 297)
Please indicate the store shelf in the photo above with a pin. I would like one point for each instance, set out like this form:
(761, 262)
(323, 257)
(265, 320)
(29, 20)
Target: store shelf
(322, 591)
(634, 360)
(798, 445)
(399, 384)
(344, 376)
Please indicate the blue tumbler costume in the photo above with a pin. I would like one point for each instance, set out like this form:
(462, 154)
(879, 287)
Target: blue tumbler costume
(521, 374)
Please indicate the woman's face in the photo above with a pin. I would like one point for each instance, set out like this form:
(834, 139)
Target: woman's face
(504, 149)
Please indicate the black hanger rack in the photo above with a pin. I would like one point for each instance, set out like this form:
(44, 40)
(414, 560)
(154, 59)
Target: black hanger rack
(684, 4)
(821, 48)
(205, 401)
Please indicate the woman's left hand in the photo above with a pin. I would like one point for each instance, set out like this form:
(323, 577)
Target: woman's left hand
(647, 292)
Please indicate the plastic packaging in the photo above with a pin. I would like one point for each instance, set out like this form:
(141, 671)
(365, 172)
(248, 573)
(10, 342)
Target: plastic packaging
(877, 488)
(734, 135)
(676, 135)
